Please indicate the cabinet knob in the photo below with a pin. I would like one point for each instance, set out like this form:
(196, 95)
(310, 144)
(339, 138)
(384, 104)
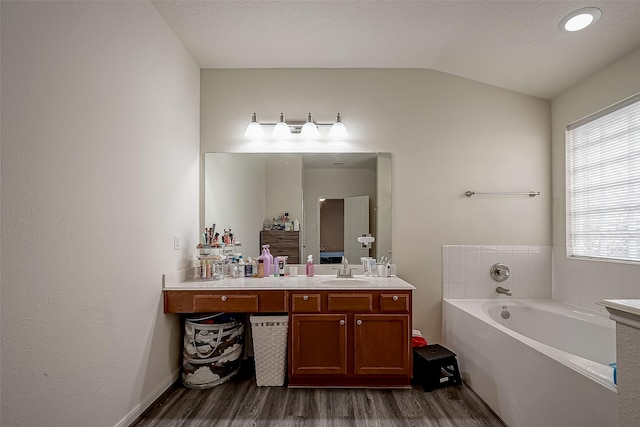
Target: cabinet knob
(306, 297)
(359, 322)
(395, 297)
(224, 298)
(342, 323)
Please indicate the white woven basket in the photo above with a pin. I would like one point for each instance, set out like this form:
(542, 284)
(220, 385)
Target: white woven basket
(270, 349)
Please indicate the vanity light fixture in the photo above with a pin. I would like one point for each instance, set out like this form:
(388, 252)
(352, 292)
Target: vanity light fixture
(282, 128)
(307, 129)
(254, 129)
(580, 19)
(338, 130)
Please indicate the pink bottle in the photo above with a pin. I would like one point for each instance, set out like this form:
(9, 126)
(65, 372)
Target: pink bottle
(271, 259)
(267, 260)
(310, 266)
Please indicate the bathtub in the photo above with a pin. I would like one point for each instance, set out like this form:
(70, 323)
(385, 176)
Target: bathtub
(535, 362)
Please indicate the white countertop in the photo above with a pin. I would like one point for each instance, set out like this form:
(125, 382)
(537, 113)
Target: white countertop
(625, 311)
(631, 306)
(292, 283)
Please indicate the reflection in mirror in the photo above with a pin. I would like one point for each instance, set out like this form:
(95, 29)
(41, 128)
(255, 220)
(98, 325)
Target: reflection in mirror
(246, 191)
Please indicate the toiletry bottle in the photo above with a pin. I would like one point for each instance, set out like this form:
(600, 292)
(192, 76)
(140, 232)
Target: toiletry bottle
(268, 266)
(275, 266)
(260, 267)
(240, 271)
(265, 260)
(310, 266)
(248, 268)
(296, 225)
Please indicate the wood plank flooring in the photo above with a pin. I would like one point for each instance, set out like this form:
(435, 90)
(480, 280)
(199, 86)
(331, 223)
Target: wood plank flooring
(240, 403)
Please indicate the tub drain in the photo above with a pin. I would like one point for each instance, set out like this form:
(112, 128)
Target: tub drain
(505, 314)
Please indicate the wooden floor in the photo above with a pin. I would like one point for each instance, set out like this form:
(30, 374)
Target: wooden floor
(240, 403)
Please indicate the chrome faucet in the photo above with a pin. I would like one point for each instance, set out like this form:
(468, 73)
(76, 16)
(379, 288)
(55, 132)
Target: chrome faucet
(346, 271)
(504, 291)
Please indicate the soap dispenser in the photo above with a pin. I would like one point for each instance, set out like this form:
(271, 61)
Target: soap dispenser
(310, 266)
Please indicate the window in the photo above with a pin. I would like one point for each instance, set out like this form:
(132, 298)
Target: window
(603, 184)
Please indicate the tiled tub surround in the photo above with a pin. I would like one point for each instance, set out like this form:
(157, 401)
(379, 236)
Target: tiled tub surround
(465, 271)
(526, 382)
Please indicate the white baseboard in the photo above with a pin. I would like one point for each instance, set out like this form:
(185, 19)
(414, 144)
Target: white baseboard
(148, 401)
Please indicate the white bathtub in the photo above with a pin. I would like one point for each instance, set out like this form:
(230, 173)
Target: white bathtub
(545, 365)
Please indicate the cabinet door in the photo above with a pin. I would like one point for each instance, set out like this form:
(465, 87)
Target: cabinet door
(319, 344)
(381, 344)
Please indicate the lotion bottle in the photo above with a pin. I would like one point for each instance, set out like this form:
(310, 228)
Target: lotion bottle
(265, 258)
(269, 270)
(310, 266)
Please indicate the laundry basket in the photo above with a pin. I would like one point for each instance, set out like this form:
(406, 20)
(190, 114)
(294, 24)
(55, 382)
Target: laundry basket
(270, 349)
(213, 346)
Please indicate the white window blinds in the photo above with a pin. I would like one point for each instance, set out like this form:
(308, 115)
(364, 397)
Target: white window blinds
(603, 184)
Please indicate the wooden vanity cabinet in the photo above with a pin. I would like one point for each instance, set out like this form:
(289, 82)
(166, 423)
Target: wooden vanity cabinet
(211, 301)
(347, 338)
(350, 338)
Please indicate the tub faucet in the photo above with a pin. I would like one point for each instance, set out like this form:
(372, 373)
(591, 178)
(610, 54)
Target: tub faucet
(502, 290)
(346, 271)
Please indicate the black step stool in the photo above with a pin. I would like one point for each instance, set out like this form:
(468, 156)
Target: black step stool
(435, 366)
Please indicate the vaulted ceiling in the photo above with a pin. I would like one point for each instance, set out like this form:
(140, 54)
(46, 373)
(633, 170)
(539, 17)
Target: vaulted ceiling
(511, 44)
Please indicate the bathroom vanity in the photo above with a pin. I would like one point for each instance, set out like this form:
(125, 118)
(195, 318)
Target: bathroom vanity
(342, 332)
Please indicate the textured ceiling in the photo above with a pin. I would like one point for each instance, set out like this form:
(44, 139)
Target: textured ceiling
(510, 44)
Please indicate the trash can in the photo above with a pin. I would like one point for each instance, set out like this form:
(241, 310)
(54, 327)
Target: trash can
(270, 349)
(213, 346)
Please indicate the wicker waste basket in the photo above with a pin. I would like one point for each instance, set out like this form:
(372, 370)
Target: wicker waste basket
(213, 346)
(270, 349)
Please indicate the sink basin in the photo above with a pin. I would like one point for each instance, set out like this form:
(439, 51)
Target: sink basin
(346, 281)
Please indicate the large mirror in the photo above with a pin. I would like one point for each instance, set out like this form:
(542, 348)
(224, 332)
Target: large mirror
(329, 199)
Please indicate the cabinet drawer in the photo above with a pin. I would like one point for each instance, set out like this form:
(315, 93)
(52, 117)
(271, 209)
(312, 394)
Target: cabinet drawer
(280, 235)
(305, 303)
(223, 302)
(350, 302)
(397, 303)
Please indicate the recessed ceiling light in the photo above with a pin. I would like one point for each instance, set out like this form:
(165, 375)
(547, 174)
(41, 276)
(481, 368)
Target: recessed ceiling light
(580, 19)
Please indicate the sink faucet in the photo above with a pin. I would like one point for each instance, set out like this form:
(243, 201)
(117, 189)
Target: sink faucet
(504, 291)
(346, 271)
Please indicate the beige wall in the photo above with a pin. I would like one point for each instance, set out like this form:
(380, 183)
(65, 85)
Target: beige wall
(583, 282)
(447, 135)
(234, 197)
(100, 137)
(283, 192)
(241, 191)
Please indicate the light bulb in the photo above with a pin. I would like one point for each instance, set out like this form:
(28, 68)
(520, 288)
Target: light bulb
(338, 129)
(254, 129)
(580, 19)
(309, 129)
(282, 129)
(578, 22)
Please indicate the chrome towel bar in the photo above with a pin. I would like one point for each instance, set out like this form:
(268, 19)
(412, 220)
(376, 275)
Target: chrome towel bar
(512, 193)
